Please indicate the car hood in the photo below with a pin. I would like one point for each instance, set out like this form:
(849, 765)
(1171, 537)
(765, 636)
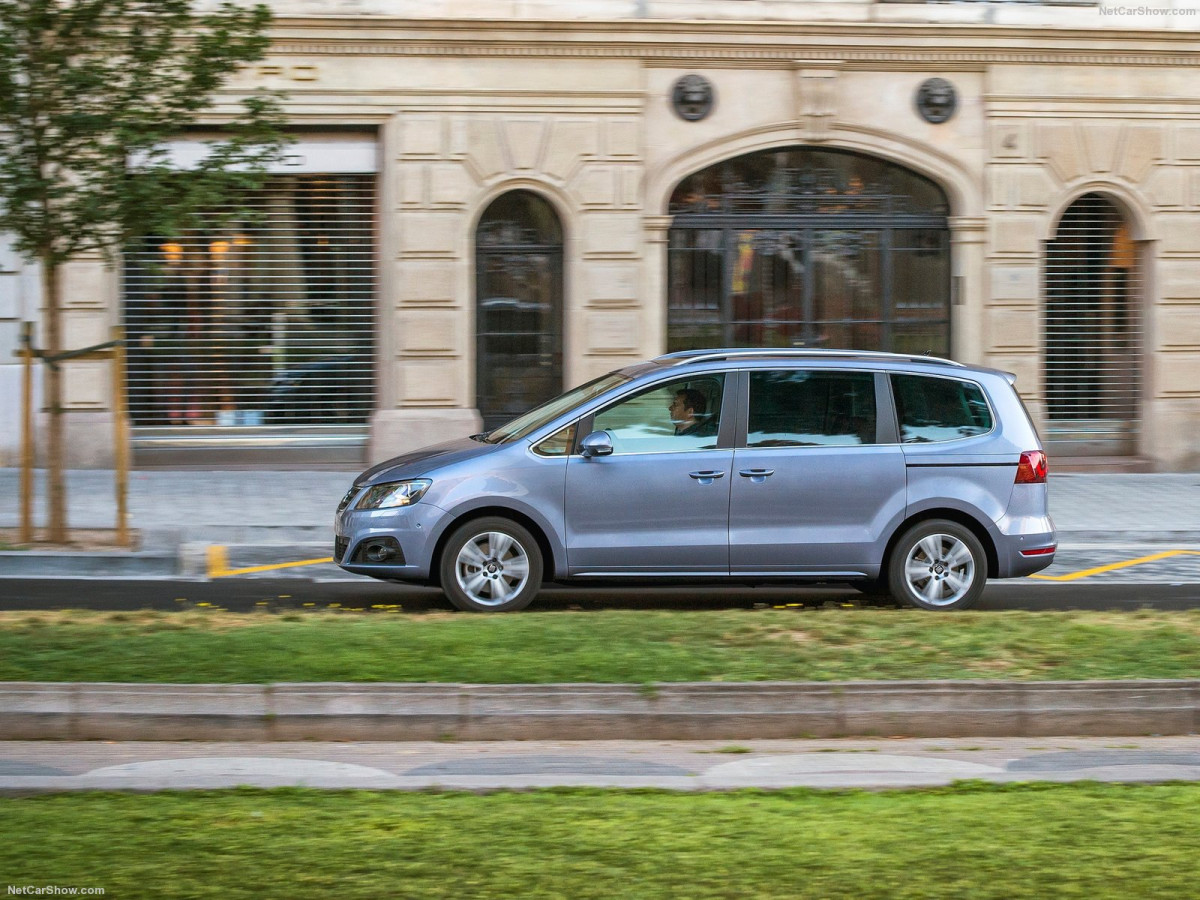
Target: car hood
(419, 462)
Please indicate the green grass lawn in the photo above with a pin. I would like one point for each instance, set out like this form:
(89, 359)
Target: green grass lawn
(631, 646)
(968, 841)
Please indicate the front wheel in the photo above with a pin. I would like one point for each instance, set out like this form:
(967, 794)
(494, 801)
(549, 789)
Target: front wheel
(491, 565)
(939, 565)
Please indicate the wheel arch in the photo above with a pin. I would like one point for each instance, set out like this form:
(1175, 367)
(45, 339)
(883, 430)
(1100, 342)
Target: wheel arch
(954, 515)
(549, 561)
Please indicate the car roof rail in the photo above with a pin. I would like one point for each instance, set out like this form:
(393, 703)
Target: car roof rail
(681, 357)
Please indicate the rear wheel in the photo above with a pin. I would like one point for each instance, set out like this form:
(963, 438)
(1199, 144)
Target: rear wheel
(491, 565)
(938, 565)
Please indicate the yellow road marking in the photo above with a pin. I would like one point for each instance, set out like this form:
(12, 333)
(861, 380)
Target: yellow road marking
(1112, 567)
(218, 563)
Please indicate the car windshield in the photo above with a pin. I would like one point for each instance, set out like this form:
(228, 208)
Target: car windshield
(538, 416)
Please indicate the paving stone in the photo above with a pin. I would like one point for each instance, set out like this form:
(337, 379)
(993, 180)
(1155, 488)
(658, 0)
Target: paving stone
(1049, 762)
(546, 765)
(252, 766)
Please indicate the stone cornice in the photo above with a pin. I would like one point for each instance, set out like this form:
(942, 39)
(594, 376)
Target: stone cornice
(738, 43)
(743, 57)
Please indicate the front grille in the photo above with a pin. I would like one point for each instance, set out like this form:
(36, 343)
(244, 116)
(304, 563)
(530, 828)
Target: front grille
(345, 501)
(340, 546)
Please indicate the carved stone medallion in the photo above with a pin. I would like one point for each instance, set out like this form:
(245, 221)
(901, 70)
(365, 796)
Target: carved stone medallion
(936, 100)
(693, 97)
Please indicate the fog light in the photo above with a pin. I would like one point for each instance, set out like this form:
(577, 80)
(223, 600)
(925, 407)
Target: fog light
(379, 552)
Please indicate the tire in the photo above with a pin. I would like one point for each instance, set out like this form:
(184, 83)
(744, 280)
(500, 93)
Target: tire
(938, 565)
(491, 565)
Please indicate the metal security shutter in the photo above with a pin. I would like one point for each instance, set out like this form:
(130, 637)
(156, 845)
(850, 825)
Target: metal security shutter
(258, 334)
(1093, 331)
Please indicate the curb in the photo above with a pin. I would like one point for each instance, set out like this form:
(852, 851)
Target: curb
(676, 711)
(114, 563)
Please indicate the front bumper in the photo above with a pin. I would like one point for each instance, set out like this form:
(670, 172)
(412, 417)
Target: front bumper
(413, 528)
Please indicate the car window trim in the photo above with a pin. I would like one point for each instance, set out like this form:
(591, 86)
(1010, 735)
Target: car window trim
(887, 426)
(534, 444)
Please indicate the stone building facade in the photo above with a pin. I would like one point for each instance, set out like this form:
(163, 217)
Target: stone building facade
(558, 188)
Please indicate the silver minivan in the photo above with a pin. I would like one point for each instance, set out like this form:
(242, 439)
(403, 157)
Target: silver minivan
(904, 475)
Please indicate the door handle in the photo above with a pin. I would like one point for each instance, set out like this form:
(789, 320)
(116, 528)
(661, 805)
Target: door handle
(756, 473)
(706, 476)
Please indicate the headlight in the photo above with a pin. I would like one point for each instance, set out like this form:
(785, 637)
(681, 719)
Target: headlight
(345, 501)
(394, 493)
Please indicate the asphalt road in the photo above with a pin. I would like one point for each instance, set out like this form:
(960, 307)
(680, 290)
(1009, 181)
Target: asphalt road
(298, 593)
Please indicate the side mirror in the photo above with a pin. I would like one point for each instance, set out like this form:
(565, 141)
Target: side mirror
(598, 443)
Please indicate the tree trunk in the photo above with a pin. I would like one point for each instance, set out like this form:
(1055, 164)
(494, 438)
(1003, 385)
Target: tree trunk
(56, 489)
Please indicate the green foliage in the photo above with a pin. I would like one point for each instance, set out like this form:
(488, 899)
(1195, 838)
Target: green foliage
(89, 92)
(639, 647)
(1093, 841)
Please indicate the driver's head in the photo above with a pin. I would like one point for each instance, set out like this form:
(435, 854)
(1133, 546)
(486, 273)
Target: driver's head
(688, 404)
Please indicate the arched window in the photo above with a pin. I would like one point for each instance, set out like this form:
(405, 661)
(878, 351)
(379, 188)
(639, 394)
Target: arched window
(1092, 330)
(519, 300)
(809, 247)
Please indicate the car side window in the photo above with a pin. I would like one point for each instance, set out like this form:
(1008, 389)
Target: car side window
(678, 415)
(558, 444)
(939, 409)
(791, 408)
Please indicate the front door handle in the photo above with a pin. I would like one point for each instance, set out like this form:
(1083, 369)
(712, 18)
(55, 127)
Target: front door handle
(706, 476)
(756, 476)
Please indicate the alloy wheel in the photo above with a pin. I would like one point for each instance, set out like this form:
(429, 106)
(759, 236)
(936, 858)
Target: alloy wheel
(492, 568)
(940, 569)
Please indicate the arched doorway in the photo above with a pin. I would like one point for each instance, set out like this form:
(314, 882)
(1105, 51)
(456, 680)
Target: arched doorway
(1092, 328)
(519, 300)
(806, 247)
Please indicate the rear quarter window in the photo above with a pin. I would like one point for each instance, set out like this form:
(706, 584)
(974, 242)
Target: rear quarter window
(930, 409)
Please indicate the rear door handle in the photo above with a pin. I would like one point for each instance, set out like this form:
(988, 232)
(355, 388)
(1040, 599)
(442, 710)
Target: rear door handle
(706, 476)
(756, 476)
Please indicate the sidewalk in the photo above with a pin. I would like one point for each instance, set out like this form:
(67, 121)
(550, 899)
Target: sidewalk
(169, 509)
(37, 767)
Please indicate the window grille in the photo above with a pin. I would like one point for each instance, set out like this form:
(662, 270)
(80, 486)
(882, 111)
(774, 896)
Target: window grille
(265, 324)
(1093, 329)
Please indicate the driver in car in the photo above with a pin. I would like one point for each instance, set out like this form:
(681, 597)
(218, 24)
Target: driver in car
(689, 415)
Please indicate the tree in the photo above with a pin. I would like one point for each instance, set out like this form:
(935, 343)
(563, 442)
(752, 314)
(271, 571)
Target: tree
(90, 91)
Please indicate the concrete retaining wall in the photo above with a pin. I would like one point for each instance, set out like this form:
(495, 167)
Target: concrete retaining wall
(401, 712)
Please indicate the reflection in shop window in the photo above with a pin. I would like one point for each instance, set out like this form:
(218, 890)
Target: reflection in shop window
(267, 320)
(519, 299)
(800, 247)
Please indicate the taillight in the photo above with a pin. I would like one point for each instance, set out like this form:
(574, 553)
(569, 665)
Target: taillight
(1032, 468)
